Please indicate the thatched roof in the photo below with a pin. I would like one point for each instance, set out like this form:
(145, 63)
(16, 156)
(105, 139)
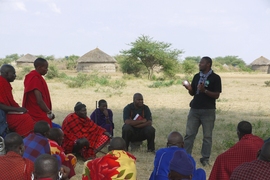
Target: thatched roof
(28, 58)
(96, 56)
(261, 61)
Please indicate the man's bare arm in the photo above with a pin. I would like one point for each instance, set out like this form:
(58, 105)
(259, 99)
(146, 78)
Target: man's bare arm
(40, 101)
(14, 109)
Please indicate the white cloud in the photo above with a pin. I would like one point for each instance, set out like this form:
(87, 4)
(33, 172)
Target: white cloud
(54, 8)
(267, 11)
(19, 6)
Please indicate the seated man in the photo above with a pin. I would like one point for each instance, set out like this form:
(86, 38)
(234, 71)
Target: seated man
(103, 116)
(13, 165)
(181, 167)
(37, 142)
(257, 169)
(56, 137)
(48, 168)
(17, 118)
(245, 150)
(138, 123)
(116, 164)
(164, 156)
(82, 135)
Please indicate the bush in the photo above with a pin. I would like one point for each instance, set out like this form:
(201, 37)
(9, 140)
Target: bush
(267, 83)
(25, 70)
(52, 72)
(189, 67)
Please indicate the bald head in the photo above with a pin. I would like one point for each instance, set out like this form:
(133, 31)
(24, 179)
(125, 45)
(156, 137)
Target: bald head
(8, 72)
(175, 139)
(13, 141)
(46, 166)
(39, 62)
(42, 127)
(117, 143)
(265, 152)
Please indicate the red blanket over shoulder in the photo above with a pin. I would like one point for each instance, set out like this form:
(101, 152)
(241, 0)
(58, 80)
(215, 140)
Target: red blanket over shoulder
(33, 81)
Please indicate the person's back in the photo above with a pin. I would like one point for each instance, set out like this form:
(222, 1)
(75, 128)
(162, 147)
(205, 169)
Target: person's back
(12, 165)
(257, 169)
(37, 142)
(243, 151)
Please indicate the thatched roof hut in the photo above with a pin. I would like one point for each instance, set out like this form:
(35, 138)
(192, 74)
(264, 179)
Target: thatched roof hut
(261, 64)
(96, 60)
(26, 60)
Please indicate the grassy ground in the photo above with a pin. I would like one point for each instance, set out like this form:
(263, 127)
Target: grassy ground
(244, 97)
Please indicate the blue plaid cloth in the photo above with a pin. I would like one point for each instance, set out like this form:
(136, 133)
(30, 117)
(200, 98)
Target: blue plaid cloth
(35, 145)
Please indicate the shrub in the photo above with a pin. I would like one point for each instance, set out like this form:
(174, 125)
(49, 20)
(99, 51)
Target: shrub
(25, 70)
(267, 83)
(52, 72)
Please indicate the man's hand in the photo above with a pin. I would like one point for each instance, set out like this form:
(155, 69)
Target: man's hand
(22, 109)
(201, 88)
(105, 112)
(108, 134)
(65, 172)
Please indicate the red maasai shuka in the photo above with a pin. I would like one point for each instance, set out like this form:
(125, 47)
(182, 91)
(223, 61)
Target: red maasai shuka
(23, 124)
(14, 166)
(75, 128)
(33, 81)
(243, 151)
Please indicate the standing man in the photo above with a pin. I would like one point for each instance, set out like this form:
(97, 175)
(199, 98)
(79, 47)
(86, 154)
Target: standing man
(205, 89)
(36, 96)
(18, 119)
(103, 116)
(138, 123)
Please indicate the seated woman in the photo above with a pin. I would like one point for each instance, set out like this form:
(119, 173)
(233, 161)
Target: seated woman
(82, 135)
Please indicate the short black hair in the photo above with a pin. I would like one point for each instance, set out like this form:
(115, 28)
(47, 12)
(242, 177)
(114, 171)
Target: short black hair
(46, 166)
(208, 59)
(41, 127)
(101, 102)
(13, 141)
(244, 127)
(136, 94)
(39, 62)
(54, 134)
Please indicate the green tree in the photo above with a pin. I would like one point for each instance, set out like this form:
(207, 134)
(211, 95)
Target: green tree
(153, 54)
(71, 61)
(194, 59)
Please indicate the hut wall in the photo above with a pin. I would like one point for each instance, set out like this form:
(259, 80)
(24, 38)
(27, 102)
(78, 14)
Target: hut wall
(261, 68)
(24, 64)
(100, 67)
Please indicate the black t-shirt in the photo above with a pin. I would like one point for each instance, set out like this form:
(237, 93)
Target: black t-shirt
(201, 100)
(130, 111)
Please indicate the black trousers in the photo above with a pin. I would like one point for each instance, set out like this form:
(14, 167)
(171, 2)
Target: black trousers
(131, 134)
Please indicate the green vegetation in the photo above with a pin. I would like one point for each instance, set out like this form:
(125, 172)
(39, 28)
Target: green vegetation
(151, 54)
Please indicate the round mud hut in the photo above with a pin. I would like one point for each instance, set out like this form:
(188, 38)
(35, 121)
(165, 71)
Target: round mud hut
(96, 60)
(26, 60)
(261, 64)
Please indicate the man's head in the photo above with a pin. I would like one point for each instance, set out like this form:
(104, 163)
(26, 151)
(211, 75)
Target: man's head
(138, 99)
(41, 66)
(180, 166)
(80, 110)
(102, 104)
(14, 142)
(117, 143)
(57, 135)
(205, 64)
(46, 166)
(243, 128)
(42, 127)
(264, 153)
(175, 139)
(8, 72)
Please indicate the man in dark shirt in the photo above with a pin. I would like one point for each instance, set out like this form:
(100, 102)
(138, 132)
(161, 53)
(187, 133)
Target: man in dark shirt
(138, 123)
(205, 89)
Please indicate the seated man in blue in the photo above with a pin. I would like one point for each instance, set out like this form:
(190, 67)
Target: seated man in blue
(103, 116)
(164, 156)
(138, 123)
(37, 143)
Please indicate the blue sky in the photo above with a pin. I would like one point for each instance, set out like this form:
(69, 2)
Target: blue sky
(199, 28)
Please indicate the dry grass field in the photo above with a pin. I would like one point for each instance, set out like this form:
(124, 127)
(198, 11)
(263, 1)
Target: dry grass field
(244, 97)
